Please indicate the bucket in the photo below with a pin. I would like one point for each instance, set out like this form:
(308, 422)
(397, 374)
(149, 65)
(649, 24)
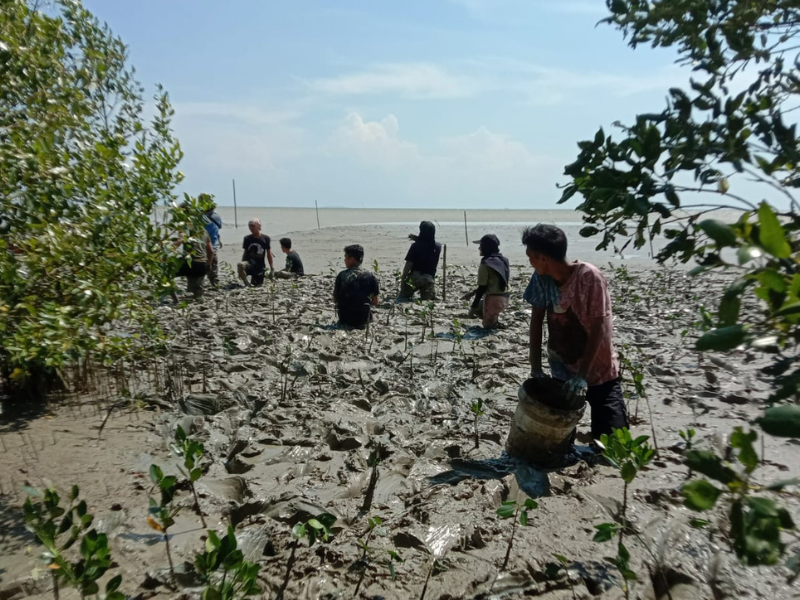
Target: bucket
(539, 431)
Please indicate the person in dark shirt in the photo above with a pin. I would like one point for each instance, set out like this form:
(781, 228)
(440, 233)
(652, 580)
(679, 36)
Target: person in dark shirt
(255, 256)
(355, 290)
(494, 275)
(421, 262)
(294, 266)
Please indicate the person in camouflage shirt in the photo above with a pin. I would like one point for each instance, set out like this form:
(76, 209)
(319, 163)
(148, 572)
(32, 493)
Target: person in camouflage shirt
(355, 290)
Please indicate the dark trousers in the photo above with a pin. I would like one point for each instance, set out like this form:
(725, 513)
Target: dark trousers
(608, 407)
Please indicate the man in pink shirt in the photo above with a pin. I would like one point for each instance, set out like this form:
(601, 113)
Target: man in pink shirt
(580, 349)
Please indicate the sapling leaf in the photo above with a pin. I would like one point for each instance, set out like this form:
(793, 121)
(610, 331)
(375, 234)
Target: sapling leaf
(628, 472)
(709, 464)
(507, 509)
(700, 495)
(698, 523)
(605, 532)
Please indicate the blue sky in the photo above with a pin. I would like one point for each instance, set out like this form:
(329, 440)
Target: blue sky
(421, 103)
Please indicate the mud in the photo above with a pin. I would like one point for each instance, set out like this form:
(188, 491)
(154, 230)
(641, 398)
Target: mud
(289, 409)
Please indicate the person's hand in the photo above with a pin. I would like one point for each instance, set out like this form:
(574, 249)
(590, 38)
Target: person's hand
(575, 387)
(537, 373)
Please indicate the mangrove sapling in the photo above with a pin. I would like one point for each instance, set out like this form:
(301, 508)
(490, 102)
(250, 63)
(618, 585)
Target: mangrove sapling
(162, 512)
(688, 437)
(374, 525)
(318, 528)
(49, 521)
(756, 521)
(224, 572)
(477, 412)
(191, 451)
(628, 456)
(373, 461)
(511, 508)
(556, 570)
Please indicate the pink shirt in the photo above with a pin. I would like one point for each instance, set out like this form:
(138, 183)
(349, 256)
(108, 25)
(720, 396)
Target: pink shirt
(571, 308)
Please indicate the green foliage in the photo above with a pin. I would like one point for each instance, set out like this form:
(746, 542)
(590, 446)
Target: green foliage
(314, 529)
(667, 169)
(755, 522)
(223, 570)
(58, 529)
(80, 176)
(191, 451)
(162, 512)
(519, 512)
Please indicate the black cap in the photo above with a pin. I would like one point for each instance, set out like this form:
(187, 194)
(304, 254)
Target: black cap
(489, 240)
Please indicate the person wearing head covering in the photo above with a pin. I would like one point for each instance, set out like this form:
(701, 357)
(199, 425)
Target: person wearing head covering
(491, 296)
(213, 223)
(422, 260)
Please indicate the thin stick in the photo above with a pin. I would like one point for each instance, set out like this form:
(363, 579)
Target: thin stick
(444, 275)
(235, 219)
(316, 206)
(466, 235)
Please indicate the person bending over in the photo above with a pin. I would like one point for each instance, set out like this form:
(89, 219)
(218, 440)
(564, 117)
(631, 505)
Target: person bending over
(355, 290)
(493, 277)
(580, 349)
(294, 266)
(421, 262)
(255, 256)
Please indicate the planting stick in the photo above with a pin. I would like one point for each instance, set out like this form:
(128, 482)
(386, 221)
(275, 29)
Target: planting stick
(444, 274)
(235, 219)
(466, 235)
(316, 206)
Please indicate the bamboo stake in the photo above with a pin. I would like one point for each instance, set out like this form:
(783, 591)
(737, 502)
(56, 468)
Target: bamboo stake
(316, 207)
(466, 235)
(444, 275)
(235, 219)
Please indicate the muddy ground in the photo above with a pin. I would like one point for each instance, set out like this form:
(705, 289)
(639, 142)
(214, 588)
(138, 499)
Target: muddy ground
(290, 409)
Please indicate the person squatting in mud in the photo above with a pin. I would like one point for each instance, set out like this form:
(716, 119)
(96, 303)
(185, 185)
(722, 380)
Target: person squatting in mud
(355, 290)
(294, 266)
(493, 277)
(256, 254)
(422, 260)
(580, 350)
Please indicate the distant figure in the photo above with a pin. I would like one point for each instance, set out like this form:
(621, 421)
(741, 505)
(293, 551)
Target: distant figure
(421, 262)
(294, 266)
(580, 347)
(213, 223)
(355, 290)
(255, 256)
(197, 254)
(493, 277)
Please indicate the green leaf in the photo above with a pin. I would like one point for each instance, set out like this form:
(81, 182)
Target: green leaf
(698, 523)
(523, 518)
(772, 236)
(722, 233)
(628, 472)
(113, 584)
(700, 495)
(781, 421)
(744, 442)
(507, 509)
(299, 531)
(605, 532)
(709, 464)
(722, 339)
(156, 474)
(531, 504)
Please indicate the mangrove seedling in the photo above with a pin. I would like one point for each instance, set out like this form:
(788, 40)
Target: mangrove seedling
(58, 528)
(162, 512)
(373, 461)
(511, 508)
(756, 521)
(191, 451)
(374, 525)
(318, 528)
(556, 570)
(628, 456)
(223, 570)
(458, 334)
(477, 412)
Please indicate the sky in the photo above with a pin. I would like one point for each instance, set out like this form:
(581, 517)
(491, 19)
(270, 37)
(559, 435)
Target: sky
(359, 103)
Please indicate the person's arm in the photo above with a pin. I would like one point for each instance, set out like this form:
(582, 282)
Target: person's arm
(209, 250)
(269, 258)
(244, 252)
(374, 299)
(406, 270)
(336, 290)
(536, 335)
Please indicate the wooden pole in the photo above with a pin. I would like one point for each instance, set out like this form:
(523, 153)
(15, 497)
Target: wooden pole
(466, 235)
(235, 216)
(444, 275)
(316, 206)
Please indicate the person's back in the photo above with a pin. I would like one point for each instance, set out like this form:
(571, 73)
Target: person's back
(294, 266)
(355, 290)
(422, 259)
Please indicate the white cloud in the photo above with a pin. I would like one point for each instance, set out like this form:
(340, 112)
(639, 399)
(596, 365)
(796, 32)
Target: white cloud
(410, 80)
(510, 11)
(490, 152)
(372, 142)
(230, 137)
